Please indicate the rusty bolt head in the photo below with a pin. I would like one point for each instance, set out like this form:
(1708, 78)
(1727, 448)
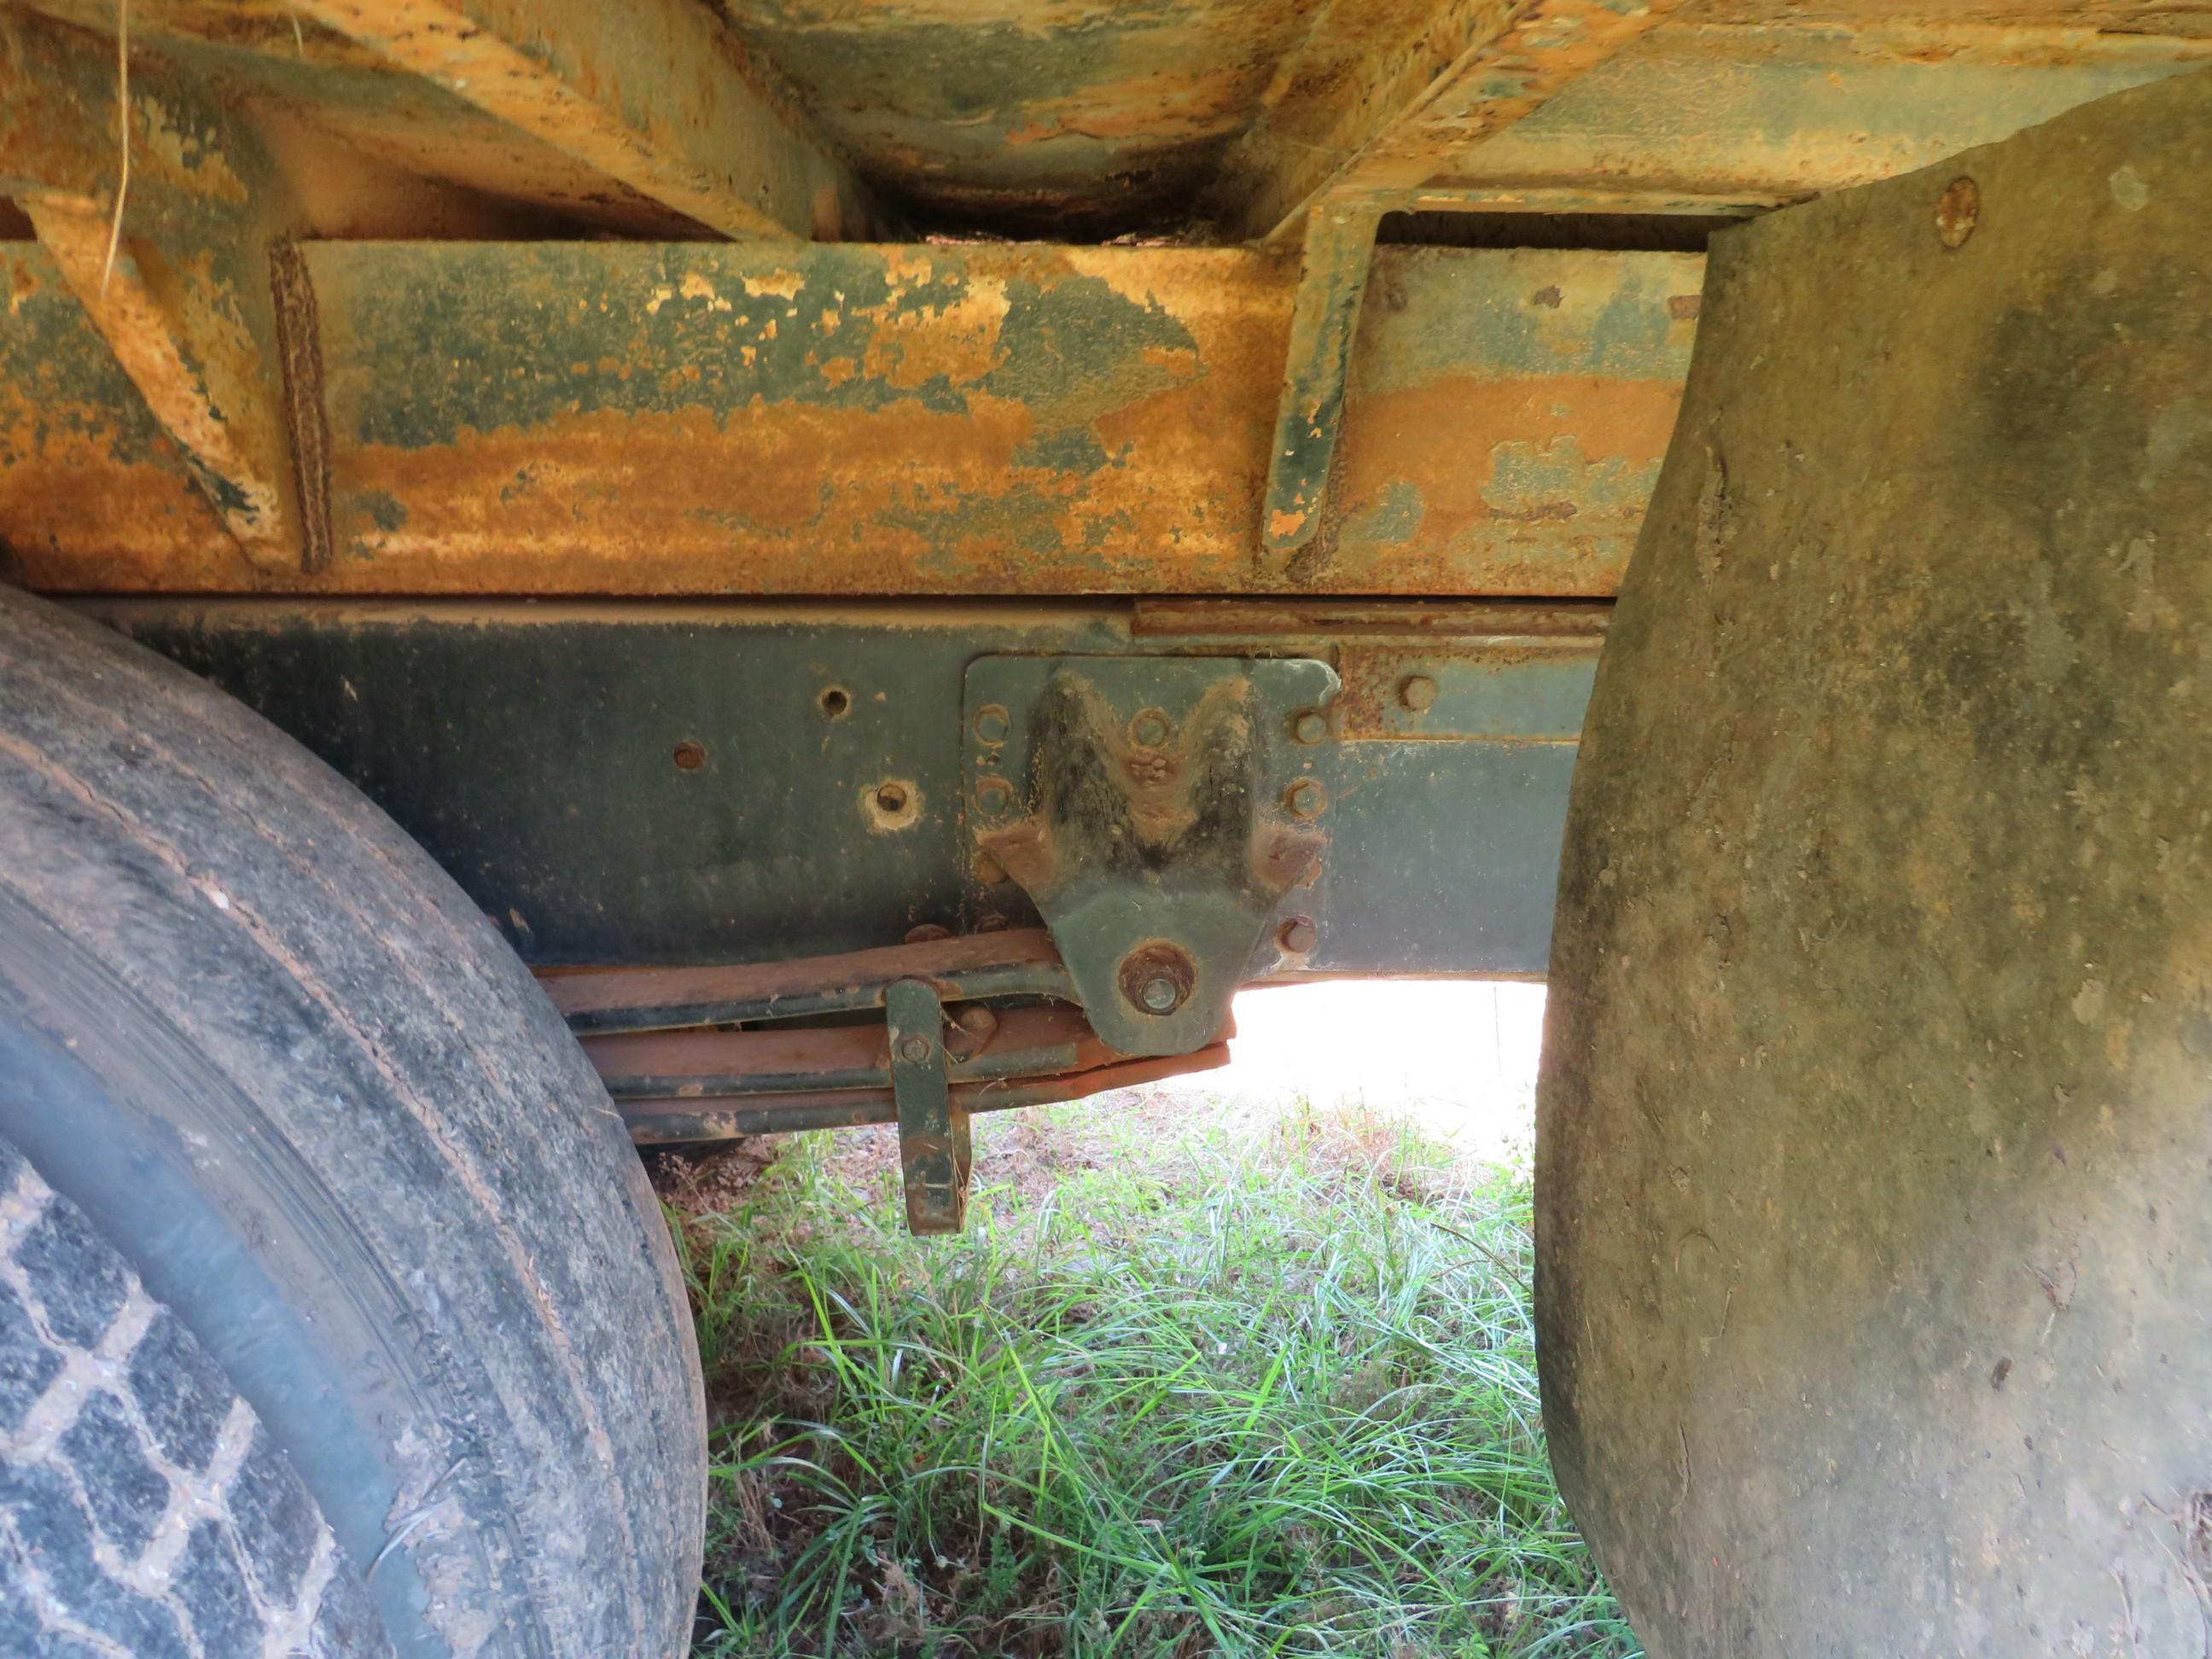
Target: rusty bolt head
(1150, 767)
(924, 932)
(914, 1049)
(990, 922)
(1417, 692)
(689, 756)
(1297, 936)
(1310, 726)
(969, 1030)
(1151, 728)
(992, 724)
(993, 796)
(987, 871)
(1305, 799)
(1957, 210)
(1156, 977)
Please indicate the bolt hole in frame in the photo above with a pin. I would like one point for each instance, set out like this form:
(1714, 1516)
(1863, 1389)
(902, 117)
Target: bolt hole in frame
(892, 804)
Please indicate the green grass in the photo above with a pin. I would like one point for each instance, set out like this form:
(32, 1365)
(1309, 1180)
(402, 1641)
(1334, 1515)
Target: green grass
(1260, 1387)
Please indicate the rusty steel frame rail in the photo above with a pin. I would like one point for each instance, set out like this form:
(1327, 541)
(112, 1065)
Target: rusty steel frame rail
(848, 419)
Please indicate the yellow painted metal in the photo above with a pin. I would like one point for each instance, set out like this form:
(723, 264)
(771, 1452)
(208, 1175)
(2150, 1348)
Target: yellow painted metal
(358, 305)
(652, 93)
(1364, 116)
(174, 271)
(851, 419)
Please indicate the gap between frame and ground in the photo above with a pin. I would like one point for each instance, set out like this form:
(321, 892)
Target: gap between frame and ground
(1238, 1365)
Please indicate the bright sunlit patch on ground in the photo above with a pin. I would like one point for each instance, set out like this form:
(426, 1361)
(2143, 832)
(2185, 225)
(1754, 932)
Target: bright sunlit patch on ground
(1457, 1056)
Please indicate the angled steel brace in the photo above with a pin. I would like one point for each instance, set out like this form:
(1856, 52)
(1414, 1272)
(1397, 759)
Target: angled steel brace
(1340, 248)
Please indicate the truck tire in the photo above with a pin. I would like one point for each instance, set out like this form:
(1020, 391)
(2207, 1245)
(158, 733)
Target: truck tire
(1873, 1208)
(142, 1505)
(336, 1313)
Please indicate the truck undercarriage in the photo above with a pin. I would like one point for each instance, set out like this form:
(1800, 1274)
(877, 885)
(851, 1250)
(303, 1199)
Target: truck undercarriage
(902, 553)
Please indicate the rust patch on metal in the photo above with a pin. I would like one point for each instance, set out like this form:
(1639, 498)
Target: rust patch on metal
(300, 353)
(1373, 123)
(681, 419)
(1043, 119)
(1323, 621)
(648, 94)
(143, 335)
(1547, 477)
(93, 493)
(876, 420)
(1339, 249)
(172, 294)
(1957, 210)
(585, 993)
(666, 1122)
(1157, 976)
(1788, 107)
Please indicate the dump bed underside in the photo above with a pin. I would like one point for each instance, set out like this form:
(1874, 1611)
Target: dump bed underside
(541, 296)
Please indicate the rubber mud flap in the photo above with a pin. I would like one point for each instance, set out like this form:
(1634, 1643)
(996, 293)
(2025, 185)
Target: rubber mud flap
(344, 1148)
(1874, 1130)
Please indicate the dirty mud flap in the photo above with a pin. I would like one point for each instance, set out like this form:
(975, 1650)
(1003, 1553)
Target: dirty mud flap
(1874, 1140)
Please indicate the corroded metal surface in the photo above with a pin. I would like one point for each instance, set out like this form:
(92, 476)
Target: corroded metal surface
(368, 147)
(1359, 69)
(676, 1122)
(1075, 118)
(1366, 116)
(1338, 253)
(649, 93)
(935, 1149)
(488, 413)
(179, 284)
(1052, 117)
(832, 420)
(1788, 111)
(774, 1060)
(1011, 962)
(1503, 437)
(1047, 117)
(84, 466)
(1154, 809)
(685, 419)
